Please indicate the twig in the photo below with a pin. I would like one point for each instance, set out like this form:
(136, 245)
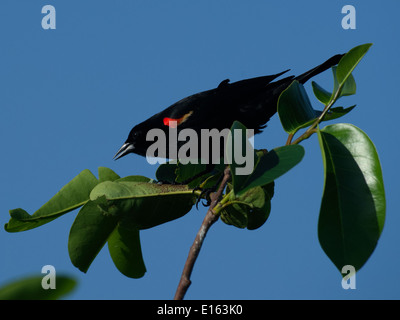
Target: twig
(304, 136)
(208, 221)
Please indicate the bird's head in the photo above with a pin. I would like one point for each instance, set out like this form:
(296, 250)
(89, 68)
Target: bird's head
(139, 141)
(136, 143)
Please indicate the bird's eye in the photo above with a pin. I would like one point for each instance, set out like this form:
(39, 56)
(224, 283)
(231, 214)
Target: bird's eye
(134, 135)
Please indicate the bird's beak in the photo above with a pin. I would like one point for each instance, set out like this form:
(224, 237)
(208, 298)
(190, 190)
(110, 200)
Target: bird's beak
(124, 150)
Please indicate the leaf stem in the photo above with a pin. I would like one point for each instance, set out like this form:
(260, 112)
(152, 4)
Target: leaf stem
(289, 139)
(194, 251)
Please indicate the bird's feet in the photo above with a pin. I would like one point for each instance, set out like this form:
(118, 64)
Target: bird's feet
(204, 195)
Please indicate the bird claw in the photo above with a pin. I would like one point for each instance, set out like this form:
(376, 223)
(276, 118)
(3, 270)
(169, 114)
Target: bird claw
(206, 193)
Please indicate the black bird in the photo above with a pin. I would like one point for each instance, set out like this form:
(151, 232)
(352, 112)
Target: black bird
(252, 102)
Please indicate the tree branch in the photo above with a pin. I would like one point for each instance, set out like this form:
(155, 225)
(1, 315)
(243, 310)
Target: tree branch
(208, 221)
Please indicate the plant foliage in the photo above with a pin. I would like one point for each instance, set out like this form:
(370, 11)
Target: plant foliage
(115, 210)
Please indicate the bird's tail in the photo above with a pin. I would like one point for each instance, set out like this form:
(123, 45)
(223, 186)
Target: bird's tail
(317, 70)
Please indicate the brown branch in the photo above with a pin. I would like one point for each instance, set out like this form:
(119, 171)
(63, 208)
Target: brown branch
(208, 221)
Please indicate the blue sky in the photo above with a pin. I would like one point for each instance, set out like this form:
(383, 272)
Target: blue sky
(69, 97)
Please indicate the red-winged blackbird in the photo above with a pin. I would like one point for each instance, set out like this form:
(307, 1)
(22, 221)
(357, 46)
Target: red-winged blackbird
(252, 102)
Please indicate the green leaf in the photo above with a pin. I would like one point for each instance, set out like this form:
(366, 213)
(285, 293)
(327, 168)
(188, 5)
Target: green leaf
(235, 215)
(353, 205)
(250, 209)
(106, 174)
(333, 113)
(212, 180)
(320, 93)
(337, 112)
(185, 172)
(136, 178)
(166, 172)
(30, 288)
(148, 204)
(71, 196)
(294, 108)
(259, 215)
(125, 250)
(347, 88)
(271, 166)
(92, 227)
(117, 206)
(349, 61)
(236, 146)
